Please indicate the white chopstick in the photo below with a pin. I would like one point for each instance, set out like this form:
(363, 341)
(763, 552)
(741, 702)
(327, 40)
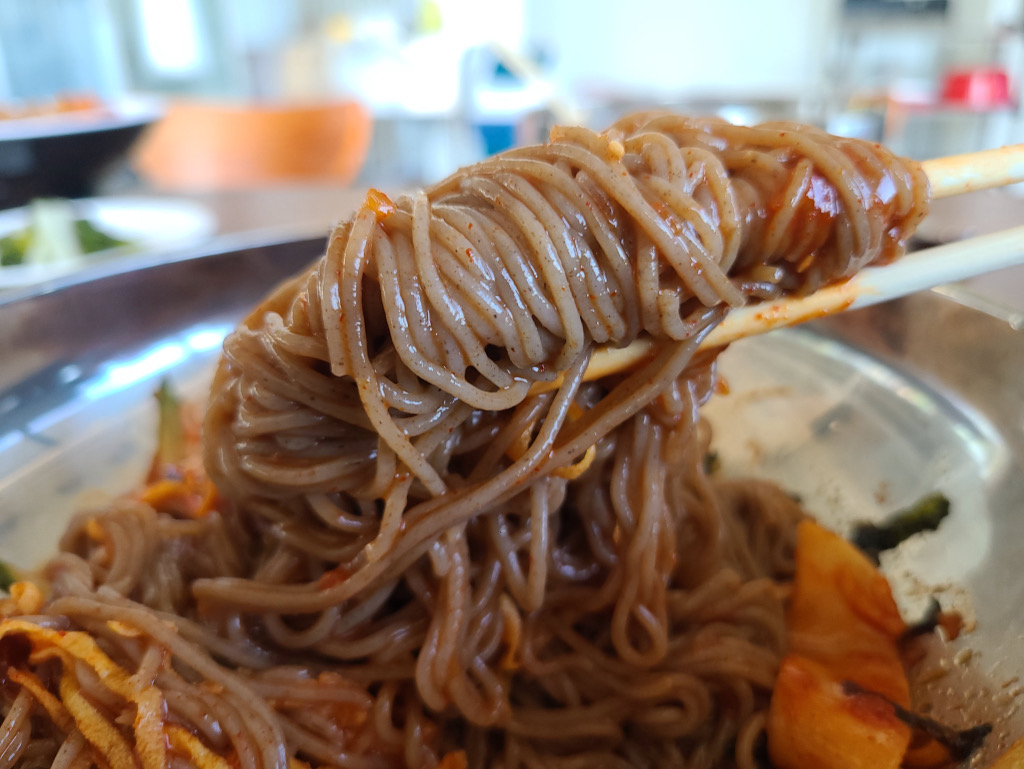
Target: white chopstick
(914, 272)
(956, 174)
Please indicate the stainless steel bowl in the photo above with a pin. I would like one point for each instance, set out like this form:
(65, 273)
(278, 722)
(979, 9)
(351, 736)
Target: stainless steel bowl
(858, 414)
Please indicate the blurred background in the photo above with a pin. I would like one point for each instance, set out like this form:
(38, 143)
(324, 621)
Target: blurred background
(227, 101)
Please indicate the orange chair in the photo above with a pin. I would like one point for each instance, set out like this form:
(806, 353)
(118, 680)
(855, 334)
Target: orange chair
(204, 147)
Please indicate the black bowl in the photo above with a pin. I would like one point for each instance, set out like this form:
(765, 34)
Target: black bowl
(64, 155)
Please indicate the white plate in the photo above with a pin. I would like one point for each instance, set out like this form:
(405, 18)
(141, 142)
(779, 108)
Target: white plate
(157, 225)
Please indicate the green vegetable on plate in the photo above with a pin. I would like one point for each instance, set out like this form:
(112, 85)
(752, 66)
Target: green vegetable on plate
(924, 515)
(55, 233)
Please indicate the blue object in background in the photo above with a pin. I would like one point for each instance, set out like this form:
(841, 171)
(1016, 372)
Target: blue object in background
(497, 137)
(485, 71)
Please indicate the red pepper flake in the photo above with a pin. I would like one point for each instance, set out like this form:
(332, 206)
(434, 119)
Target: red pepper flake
(379, 203)
(952, 624)
(334, 577)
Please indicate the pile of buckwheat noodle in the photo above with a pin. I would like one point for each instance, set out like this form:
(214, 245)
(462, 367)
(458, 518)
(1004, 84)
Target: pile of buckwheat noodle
(421, 557)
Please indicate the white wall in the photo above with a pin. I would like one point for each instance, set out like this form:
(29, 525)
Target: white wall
(725, 48)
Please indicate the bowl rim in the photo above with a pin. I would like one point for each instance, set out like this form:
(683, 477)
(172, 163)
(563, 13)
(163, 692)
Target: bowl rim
(128, 112)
